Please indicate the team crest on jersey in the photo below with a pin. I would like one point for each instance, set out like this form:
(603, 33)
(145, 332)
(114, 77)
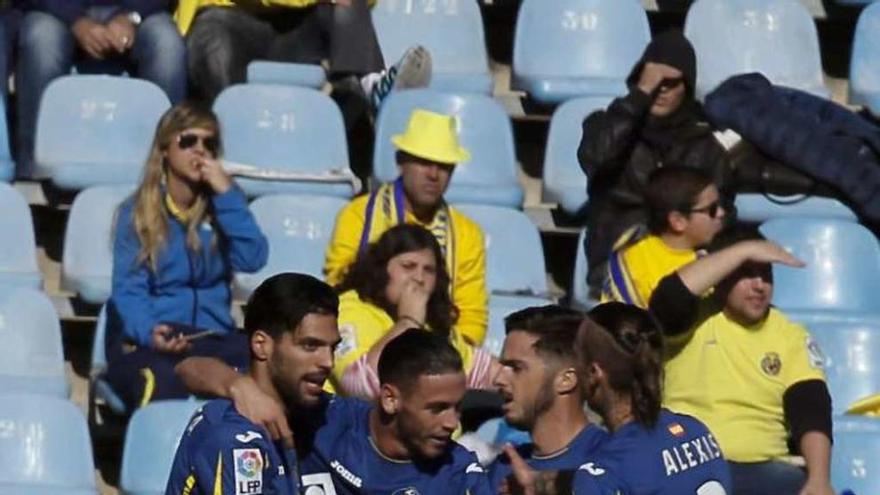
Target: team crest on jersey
(248, 471)
(676, 429)
(407, 491)
(771, 364)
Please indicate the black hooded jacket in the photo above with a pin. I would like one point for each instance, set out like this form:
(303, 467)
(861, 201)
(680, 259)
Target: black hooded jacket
(623, 144)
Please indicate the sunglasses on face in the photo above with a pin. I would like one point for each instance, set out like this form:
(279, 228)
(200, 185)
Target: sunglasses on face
(711, 209)
(187, 141)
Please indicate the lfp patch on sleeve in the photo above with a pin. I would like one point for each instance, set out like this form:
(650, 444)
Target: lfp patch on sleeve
(248, 471)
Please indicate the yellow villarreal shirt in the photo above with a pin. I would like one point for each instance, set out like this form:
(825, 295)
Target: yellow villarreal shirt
(733, 378)
(187, 9)
(362, 324)
(635, 270)
(468, 275)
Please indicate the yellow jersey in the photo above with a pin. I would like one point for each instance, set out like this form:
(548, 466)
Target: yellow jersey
(733, 378)
(636, 268)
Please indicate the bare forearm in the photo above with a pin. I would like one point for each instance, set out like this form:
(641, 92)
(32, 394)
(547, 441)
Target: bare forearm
(704, 273)
(207, 376)
(816, 449)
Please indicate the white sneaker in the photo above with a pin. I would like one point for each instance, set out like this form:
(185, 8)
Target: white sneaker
(413, 70)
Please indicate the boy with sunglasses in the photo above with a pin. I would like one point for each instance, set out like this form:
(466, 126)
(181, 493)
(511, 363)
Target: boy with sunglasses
(684, 215)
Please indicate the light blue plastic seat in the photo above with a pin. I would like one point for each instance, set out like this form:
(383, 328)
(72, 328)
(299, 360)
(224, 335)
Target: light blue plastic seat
(569, 48)
(299, 229)
(44, 447)
(87, 261)
(31, 357)
(855, 464)
(490, 177)
(18, 257)
(514, 254)
(285, 129)
(852, 360)
(756, 208)
(864, 67)
(100, 388)
(775, 37)
(268, 72)
(564, 180)
(842, 276)
(580, 293)
(95, 130)
(499, 307)
(7, 165)
(150, 444)
(452, 30)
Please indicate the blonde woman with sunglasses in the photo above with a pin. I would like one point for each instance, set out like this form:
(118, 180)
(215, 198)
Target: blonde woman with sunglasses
(177, 241)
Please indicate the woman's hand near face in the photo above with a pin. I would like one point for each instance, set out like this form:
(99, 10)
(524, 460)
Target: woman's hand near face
(414, 301)
(213, 174)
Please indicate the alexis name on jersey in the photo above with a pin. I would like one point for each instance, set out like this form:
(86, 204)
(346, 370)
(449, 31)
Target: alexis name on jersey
(690, 454)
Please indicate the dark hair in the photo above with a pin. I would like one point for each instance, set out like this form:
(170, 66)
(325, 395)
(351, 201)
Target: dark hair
(555, 327)
(414, 353)
(729, 237)
(672, 189)
(281, 302)
(626, 342)
(369, 274)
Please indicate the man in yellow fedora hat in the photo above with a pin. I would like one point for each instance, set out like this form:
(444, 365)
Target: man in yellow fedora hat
(426, 156)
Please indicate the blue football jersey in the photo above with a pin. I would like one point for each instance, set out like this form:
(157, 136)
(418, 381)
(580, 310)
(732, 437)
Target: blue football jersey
(223, 453)
(339, 458)
(679, 456)
(570, 458)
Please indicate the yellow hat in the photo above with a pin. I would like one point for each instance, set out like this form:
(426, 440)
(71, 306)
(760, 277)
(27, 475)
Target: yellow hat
(432, 136)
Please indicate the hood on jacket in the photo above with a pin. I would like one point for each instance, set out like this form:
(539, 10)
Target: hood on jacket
(673, 49)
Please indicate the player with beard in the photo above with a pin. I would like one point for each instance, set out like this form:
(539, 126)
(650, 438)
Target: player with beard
(542, 392)
(342, 445)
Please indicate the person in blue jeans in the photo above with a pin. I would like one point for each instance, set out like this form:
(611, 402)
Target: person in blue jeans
(177, 242)
(138, 36)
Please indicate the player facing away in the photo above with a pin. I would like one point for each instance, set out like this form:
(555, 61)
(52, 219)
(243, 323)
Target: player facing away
(651, 450)
(341, 445)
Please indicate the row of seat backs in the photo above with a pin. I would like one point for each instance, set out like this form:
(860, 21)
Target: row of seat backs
(575, 48)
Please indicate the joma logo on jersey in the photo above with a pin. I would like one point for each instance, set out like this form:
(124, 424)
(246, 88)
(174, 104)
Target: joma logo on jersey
(346, 474)
(406, 491)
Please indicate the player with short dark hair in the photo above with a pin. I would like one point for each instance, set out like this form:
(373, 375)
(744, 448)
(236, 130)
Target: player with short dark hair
(542, 393)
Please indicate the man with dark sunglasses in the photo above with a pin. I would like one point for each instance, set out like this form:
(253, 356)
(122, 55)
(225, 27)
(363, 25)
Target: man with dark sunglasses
(742, 367)
(657, 124)
(685, 213)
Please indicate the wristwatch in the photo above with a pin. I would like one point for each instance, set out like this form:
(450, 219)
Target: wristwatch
(134, 18)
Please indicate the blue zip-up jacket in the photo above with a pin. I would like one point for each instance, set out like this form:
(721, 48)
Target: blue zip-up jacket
(71, 10)
(187, 288)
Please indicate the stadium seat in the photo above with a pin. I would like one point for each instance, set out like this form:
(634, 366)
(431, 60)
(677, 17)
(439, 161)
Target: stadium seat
(512, 240)
(855, 465)
(490, 177)
(284, 130)
(268, 72)
(7, 165)
(852, 360)
(499, 307)
(735, 36)
(87, 261)
(18, 259)
(565, 182)
(864, 68)
(31, 357)
(298, 229)
(100, 389)
(756, 208)
(569, 48)
(95, 130)
(451, 30)
(580, 293)
(842, 276)
(44, 447)
(150, 444)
